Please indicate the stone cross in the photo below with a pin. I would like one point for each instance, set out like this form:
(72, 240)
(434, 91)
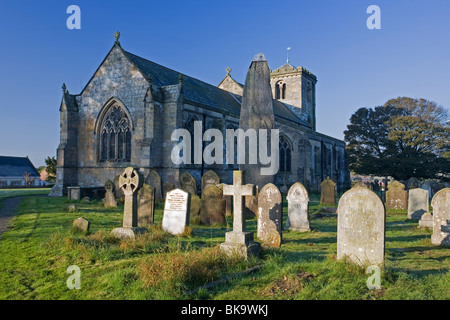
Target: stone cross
(239, 241)
(130, 181)
(238, 191)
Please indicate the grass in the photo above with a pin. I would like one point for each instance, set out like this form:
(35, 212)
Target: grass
(36, 252)
(8, 193)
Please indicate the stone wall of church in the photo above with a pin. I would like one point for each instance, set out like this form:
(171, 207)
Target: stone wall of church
(116, 78)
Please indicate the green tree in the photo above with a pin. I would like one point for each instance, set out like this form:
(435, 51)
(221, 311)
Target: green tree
(51, 169)
(403, 138)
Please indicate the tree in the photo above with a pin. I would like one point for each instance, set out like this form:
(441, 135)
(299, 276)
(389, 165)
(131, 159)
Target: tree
(28, 179)
(51, 169)
(403, 138)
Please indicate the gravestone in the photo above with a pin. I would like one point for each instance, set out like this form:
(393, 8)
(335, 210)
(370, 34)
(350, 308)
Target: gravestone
(154, 180)
(298, 205)
(130, 181)
(187, 183)
(210, 178)
(426, 221)
(146, 206)
(213, 206)
(81, 224)
(328, 192)
(168, 186)
(176, 211)
(427, 186)
(441, 218)
(74, 193)
(251, 205)
(361, 227)
(228, 206)
(110, 199)
(270, 216)
(360, 184)
(118, 192)
(396, 196)
(195, 207)
(417, 203)
(239, 241)
(412, 183)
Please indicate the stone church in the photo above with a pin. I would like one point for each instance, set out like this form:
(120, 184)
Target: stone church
(126, 114)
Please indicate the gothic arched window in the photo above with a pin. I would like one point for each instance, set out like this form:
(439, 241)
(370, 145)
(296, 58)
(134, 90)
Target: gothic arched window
(115, 135)
(285, 154)
(283, 91)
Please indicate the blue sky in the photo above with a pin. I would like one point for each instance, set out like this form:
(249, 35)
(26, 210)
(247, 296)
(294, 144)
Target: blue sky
(355, 66)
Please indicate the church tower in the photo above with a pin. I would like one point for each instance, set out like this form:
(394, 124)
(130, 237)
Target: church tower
(296, 87)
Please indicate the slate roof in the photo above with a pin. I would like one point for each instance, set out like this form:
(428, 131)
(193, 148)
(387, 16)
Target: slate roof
(16, 167)
(201, 93)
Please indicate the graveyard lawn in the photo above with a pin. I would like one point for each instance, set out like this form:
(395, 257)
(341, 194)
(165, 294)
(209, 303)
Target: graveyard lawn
(36, 252)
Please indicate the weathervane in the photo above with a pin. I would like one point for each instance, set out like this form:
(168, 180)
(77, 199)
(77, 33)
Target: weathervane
(228, 70)
(117, 36)
(287, 49)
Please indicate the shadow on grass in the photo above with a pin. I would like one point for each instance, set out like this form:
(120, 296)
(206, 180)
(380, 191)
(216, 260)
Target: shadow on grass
(322, 240)
(408, 238)
(421, 273)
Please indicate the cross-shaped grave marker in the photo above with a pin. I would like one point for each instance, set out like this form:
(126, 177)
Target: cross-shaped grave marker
(238, 240)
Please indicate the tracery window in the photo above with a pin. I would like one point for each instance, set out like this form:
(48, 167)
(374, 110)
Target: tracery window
(115, 136)
(285, 154)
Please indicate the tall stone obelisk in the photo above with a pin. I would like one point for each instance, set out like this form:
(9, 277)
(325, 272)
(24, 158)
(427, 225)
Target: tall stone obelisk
(257, 113)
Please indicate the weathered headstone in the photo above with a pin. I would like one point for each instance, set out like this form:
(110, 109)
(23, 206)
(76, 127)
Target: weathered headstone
(239, 241)
(176, 211)
(81, 224)
(110, 199)
(412, 183)
(154, 180)
(195, 207)
(396, 196)
(257, 113)
(417, 203)
(426, 221)
(210, 178)
(270, 216)
(251, 205)
(187, 183)
(118, 192)
(361, 227)
(130, 181)
(427, 186)
(298, 205)
(213, 206)
(328, 192)
(441, 218)
(146, 206)
(168, 186)
(74, 193)
(72, 208)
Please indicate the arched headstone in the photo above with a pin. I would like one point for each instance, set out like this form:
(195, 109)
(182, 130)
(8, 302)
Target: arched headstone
(298, 205)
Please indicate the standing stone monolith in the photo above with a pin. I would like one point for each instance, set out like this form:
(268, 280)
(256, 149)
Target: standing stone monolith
(441, 218)
(130, 181)
(270, 216)
(418, 203)
(213, 207)
(328, 192)
(396, 196)
(154, 180)
(210, 178)
(176, 211)
(239, 241)
(361, 227)
(257, 113)
(298, 205)
(110, 199)
(146, 206)
(187, 183)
